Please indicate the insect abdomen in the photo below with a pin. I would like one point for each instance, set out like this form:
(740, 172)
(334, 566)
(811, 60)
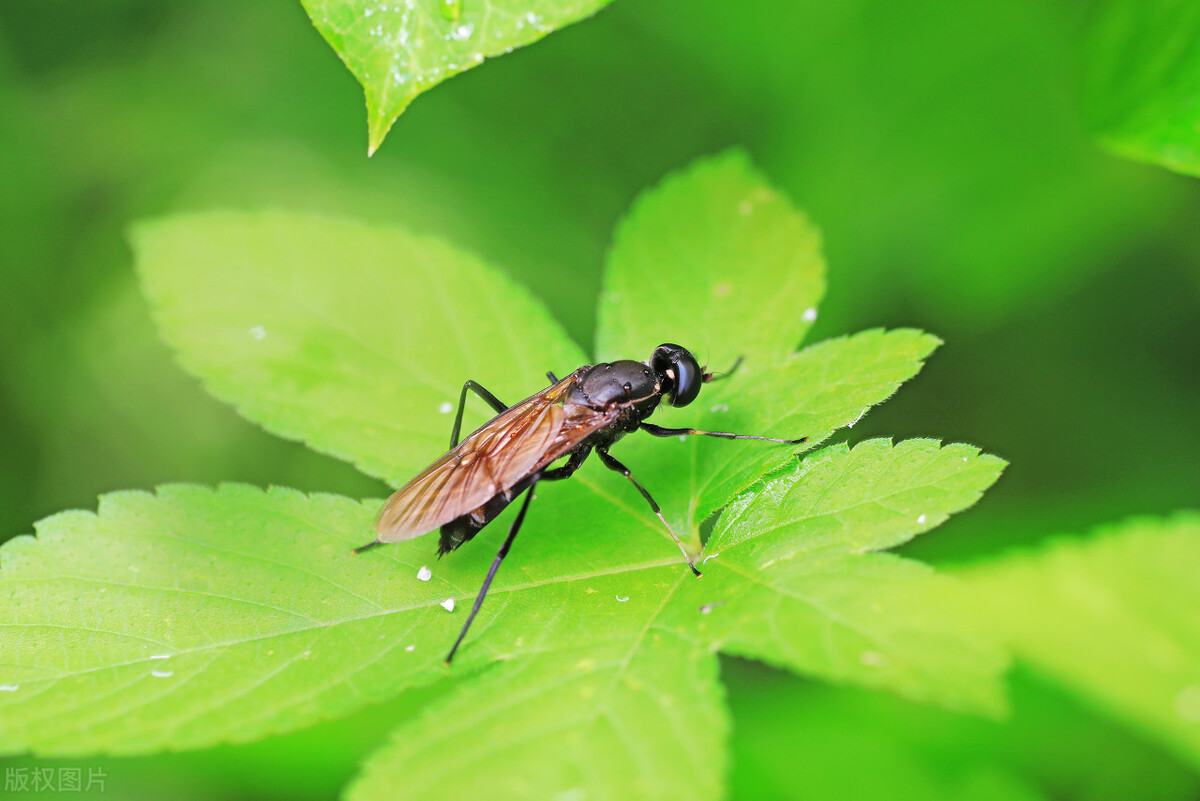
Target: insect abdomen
(463, 529)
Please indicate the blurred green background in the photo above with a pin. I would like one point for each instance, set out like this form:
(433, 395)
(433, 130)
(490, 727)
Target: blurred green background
(941, 148)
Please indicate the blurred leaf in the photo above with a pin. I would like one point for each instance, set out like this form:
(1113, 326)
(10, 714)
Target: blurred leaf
(1144, 81)
(953, 175)
(399, 50)
(804, 741)
(1112, 618)
(716, 260)
(355, 339)
(125, 410)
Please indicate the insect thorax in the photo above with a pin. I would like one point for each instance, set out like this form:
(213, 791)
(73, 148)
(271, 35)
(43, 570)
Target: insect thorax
(623, 382)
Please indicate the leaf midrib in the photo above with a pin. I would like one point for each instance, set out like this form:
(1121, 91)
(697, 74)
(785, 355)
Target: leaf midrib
(319, 626)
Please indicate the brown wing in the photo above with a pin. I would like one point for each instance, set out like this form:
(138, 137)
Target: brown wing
(579, 423)
(486, 463)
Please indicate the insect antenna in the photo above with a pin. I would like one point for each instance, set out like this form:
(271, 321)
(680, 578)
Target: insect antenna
(711, 377)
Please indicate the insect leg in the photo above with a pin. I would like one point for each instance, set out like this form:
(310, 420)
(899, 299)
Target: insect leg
(491, 399)
(659, 431)
(570, 467)
(612, 464)
(553, 378)
(487, 582)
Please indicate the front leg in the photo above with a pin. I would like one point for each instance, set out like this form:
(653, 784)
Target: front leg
(659, 431)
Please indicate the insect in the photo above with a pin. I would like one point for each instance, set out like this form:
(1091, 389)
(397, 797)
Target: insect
(587, 411)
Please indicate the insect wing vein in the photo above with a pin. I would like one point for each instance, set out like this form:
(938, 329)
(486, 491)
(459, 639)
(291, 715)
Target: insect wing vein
(491, 459)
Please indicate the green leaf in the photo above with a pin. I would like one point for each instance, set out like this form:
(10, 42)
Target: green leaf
(811, 393)
(190, 618)
(716, 260)
(187, 618)
(398, 50)
(642, 720)
(1144, 81)
(268, 623)
(803, 587)
(1113, 618)
(621, 702)
(353, 338)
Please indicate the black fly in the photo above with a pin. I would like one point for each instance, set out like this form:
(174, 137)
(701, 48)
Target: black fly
(587, 411)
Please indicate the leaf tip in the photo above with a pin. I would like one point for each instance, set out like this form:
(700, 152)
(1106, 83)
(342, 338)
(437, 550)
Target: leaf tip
(380, 119)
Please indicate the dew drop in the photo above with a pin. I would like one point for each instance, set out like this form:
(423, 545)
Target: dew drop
(162, 674)
(448, 604)
(9, 688)
(160, 656)
(410, 648)
(258, 332)
(720, 407)
(921, 520)
(424, 574)
(622, 600)
(446, 407)
(710, 556)
(462, 32)
(809, 315)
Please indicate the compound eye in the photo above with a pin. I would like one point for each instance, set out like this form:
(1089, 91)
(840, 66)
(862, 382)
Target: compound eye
(688, 378)
(679, 373)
